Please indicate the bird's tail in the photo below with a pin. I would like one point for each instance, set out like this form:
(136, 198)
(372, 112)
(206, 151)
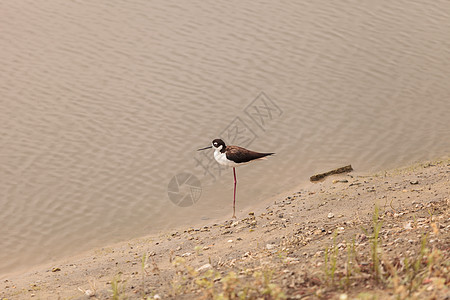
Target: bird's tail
(265, 155)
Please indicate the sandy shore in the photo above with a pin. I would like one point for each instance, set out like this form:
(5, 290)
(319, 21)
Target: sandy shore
(317, 242)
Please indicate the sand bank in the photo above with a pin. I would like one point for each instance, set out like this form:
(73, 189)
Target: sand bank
(316, 242)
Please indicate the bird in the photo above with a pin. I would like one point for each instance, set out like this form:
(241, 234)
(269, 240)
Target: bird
(233, 156)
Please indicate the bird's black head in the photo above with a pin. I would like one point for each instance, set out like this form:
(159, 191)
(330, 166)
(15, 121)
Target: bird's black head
(217, 143)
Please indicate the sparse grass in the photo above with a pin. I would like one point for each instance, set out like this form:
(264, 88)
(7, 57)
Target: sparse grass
(330, 265)
(341, 273)
(251, 284)
(118, 288)
(410, 276)
(143, 271)
(350, 264)
(183, 273)
(375, 244)
(206, 283)
(414, 271)
(361, 271)
(259, 285)
(404, 277)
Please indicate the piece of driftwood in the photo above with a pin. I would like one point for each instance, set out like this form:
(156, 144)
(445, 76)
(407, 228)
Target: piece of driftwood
(335, 171)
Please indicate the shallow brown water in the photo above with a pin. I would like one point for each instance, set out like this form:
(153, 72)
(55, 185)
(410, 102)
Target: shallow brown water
(103, 104)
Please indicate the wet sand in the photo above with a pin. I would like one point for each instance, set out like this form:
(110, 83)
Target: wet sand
(277, 250)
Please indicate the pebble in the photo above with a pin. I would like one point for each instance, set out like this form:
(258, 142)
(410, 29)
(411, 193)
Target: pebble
(186, 254)
(270, 246)
(362, 237)
(229, 241)
(204, 268)
(56, 269)
(291, 259)
(343, 297)
(330, 215)
(407, 226)
(340, 181)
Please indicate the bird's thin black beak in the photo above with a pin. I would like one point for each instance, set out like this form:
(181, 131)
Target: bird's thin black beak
(204, 148)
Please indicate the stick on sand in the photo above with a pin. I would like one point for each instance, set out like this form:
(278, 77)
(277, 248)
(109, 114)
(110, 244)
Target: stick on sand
(332, 172)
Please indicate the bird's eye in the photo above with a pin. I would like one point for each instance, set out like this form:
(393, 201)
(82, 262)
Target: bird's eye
(215, 144)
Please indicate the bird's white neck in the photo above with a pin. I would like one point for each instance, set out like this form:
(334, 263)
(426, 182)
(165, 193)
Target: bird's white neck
(218, 149)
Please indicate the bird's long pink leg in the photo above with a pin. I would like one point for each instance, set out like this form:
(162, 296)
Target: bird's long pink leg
(234, 197)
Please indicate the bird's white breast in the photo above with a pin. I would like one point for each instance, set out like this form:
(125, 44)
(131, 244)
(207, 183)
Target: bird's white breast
(221, 158)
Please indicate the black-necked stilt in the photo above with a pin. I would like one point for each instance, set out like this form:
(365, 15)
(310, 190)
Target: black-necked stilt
(233, 156)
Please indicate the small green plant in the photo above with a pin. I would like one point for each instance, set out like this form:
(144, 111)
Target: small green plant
(410, 278)
(415, 273)
(198, 250)
(331, 255)
(143, 266)
(249, 285)
(375, 244)
(351, 259)
(263, 280)
(229, 286)
(430, 212)
(184, 274)
(206, 283)
(118, 288)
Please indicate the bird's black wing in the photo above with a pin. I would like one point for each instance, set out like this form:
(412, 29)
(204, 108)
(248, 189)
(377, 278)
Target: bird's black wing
(242, 155)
